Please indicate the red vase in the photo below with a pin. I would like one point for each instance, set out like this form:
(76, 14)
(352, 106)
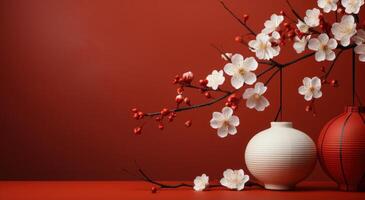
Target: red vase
(341, 149)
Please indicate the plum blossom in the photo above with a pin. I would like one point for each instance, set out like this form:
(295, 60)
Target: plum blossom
(234, 179)
(225, 56)
(327, 5)
(254, 97)
(263, 48)
(272, 24)
(240, 70)
(312, 17)
(344, 30)
(300, 44)
(359, 38)
(215, 79)
(201, 182)
(324, 47)
(311, 88)
(225, 122)
(303, 27)
(360, 49)
(352, 6)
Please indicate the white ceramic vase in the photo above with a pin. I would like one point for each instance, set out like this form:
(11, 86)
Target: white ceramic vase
(280, 156)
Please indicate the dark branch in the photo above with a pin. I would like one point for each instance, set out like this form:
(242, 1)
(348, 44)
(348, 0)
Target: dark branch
(294, 11)
(325, 76)
(238, 19)
(298, 59)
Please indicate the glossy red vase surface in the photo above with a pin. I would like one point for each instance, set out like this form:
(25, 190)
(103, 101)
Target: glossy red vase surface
(341, 149)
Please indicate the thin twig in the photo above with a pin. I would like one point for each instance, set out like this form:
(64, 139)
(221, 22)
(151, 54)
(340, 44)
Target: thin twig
(193, 106)
(298, 59)
(238, 19)
(272, 76)
(325, 76)
(294, 11)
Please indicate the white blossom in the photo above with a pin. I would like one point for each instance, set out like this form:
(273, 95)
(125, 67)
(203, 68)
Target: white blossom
(201, 182)
(225, 56)
(352, 6)
(300, 44)
(215, 79)
(254, 97)
(272, 24)
(324, 47)
(344, 30)
(240, 70)
(360, 49)
(303, 27)
(234, 179)
(327, 5)
(311, 88)
(359, 38)
(263, 48)
(225, 122)
(312, 17)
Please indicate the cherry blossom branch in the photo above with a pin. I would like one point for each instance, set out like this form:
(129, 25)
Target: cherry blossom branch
(167, 186)
(238, 19)
(193, 106)
(227, 93)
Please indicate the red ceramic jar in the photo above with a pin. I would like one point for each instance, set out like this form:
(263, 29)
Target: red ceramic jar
(341, 149)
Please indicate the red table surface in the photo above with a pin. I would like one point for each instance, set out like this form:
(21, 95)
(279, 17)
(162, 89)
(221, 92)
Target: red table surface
(140, 190)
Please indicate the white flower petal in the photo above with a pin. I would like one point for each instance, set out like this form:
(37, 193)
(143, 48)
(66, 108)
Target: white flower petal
(237, 59)
(232, 130)
(250, 64)
(249, 78)
(320, 56)
(229, 69)
(227, 112)
(223, 131)
(237, 81)
(234, 121)
(248, 93)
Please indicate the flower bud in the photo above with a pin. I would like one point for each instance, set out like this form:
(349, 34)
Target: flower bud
(207, 94)
(137, 130)
(203, 82)
(188, 77)
(245, 18)
(180, 90)
(308, 108)
(187, 101)
(161, 126)
(179, 98)
(238, 39)
(165, 111)
(188, 123)
(334, 83)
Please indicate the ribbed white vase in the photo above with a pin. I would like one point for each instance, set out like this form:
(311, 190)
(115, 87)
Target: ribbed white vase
(280, 156)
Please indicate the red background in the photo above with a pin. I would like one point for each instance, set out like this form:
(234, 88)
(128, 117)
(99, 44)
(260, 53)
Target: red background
(71, 70)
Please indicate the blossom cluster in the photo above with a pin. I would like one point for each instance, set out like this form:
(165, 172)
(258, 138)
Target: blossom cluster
(311, 33)
(232, 179)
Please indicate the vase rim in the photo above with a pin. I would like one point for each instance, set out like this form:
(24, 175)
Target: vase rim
(354, 108)
(282, 124)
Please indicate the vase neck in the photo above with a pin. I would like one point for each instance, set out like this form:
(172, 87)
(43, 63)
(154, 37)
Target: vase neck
(282, 124)
(354, 109)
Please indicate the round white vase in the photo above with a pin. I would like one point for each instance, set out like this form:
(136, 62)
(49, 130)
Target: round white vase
(280, 156)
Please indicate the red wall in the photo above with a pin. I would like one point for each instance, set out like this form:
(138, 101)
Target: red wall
(71, 70)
